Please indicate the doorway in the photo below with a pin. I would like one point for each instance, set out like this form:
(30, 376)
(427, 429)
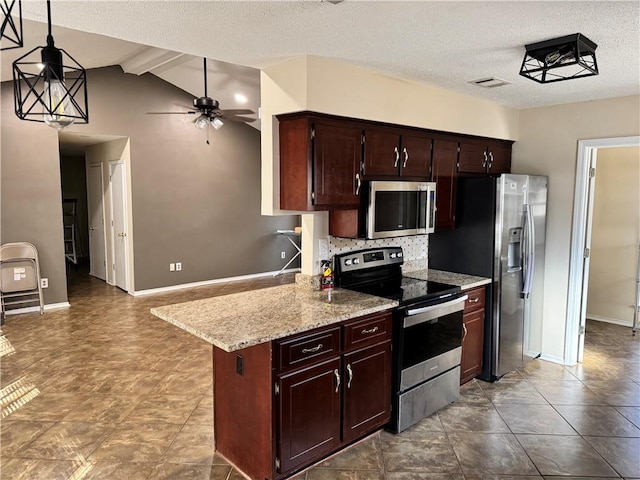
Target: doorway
(105, 165)
(586, 174)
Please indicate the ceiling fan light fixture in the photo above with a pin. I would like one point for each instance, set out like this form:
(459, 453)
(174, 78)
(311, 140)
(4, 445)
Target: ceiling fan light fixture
(11, 31)
(51, 88)
(558, 59)
(217, 123)
(201, 122)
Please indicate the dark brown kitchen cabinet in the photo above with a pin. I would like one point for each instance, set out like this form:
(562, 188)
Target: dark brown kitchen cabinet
(320, 163)
(392, 152)
(280, 406)
(445, 158)
(484, 156)
(367, 403)
(309, 414)
(473, 335)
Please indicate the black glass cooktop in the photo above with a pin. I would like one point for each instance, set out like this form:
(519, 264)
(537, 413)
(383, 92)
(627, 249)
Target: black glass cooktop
(407, 290)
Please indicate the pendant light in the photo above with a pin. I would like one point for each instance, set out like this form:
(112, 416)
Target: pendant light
(52, 88)
(11, 31)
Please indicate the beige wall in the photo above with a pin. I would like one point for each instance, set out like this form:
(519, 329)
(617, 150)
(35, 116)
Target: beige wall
(323, 85)
(615, 235)
(547, 145)
(192, 203)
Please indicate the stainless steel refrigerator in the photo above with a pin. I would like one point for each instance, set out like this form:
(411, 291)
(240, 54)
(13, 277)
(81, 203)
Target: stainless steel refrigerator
(500, 234)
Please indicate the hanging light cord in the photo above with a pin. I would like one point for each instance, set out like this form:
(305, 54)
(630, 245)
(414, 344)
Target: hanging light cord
(49, 36)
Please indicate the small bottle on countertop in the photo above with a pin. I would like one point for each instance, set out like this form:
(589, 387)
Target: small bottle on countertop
(326, 281)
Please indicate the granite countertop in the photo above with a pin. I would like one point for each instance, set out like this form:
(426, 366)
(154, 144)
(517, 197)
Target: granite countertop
(462, 280)
(240, 320)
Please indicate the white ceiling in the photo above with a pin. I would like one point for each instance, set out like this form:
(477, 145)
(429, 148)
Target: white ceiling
(446, 43)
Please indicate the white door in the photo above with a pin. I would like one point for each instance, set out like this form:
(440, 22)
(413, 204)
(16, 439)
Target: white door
(118, 224)
(591, 187)
(97, 243)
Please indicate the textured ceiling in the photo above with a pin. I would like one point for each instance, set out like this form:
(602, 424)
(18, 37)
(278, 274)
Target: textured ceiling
(443, 43)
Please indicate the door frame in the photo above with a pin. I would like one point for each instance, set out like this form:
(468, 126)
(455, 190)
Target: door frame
(126, 214)
(582, 215)
(104, 216)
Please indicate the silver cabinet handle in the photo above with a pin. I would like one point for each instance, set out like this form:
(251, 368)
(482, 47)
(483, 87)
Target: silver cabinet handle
(358, 184)
(395, 150)
(350, 375)
(490, 159)
(474, 300)
(486, 159)
(337, 375)
(312, 350)
(464, 328)
(406, 157)
(371, 330)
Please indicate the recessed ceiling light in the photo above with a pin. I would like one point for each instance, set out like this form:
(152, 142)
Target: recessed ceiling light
(240, 98)
(490, 82)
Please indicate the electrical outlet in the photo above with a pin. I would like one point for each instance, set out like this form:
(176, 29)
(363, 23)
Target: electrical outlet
(178, 266)
(323, 248)
(283, 254)
(172, 267)
(44, 283)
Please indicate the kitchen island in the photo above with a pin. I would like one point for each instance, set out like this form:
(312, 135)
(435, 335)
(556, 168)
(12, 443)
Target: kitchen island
(298, 374)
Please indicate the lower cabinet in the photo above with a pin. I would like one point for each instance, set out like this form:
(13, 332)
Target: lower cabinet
(325, 389)
(473, 335)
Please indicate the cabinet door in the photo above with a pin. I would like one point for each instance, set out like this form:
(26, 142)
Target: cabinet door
(471, 363)
(473, 158)
(367, 390)
(381, 152)
(499, 159)
(415, 156)
(337, 157)
(445, 157)
(308, 414)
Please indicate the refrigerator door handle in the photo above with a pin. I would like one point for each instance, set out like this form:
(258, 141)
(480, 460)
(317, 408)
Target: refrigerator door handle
(528, 260)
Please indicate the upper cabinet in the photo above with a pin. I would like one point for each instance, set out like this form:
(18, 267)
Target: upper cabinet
(487, 156)
(393, 152)
(320, 163)
(445, 159)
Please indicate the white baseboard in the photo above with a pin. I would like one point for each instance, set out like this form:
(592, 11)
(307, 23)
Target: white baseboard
(552, 358)
(50, 306)
(615, 321)
(152, 291)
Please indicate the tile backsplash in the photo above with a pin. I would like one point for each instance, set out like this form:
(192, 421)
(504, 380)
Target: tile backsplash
(415, 248)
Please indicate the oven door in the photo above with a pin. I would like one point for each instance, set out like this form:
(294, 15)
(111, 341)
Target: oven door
(400, 208)
(429, 341)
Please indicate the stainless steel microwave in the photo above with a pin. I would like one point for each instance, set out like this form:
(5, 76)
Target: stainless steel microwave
(396, 209)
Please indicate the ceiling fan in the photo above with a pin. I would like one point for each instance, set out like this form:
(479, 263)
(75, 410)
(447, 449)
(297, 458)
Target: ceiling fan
(209, 112)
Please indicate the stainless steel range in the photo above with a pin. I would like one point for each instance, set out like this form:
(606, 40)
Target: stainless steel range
(427, 334)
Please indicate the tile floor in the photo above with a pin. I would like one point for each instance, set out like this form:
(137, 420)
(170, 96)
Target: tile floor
(104, 390)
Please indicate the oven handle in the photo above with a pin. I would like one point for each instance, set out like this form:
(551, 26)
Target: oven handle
(424, 314)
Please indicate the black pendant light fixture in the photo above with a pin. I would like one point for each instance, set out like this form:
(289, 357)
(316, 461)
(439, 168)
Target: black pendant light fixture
(11, 31)
(51, 87)
(558, 59)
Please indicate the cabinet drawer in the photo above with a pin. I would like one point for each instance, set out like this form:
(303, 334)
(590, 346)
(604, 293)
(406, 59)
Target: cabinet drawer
(368, 331)
(475, 300)
(306, 349)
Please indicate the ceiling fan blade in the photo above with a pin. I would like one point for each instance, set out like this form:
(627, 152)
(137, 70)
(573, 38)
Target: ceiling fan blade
(237, 111)
(171, 113)
(237, 118)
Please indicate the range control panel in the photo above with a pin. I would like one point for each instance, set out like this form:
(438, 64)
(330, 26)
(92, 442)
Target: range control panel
(371, 258)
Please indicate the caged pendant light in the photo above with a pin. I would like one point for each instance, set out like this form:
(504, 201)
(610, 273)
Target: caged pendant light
(52, 88)
(11, 31)
(558, 59)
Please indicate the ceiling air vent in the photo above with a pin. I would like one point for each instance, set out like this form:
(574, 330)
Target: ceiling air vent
(490, 82)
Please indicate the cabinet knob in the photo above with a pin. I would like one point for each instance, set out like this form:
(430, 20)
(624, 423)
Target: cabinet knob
(395, 150)
(406, 157)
